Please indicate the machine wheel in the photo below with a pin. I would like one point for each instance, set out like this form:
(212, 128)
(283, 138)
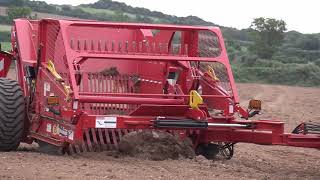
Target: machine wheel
(209, 151)
(226, 149)
(50, 149)
(12, 114)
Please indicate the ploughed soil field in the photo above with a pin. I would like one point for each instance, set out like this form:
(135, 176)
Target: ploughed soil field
(290, 104)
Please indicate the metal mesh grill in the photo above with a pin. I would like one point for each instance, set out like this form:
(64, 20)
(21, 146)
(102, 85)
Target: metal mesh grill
(220, 71)
(55, 49)
(53, 29)
(209, 45)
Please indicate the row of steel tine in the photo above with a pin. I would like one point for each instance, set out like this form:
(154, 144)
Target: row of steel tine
(98, 83)
(129, 47)
(97, 140)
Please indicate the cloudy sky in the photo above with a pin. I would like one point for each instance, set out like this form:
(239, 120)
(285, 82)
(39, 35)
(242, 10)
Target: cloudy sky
(303, 16)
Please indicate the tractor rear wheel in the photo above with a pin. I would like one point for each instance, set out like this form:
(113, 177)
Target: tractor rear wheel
(12, 114)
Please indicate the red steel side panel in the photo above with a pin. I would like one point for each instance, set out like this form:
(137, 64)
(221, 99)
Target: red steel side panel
(25, 33)
(25, 42)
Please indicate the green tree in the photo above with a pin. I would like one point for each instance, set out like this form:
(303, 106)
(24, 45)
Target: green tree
(268, 34)
(18, 12)
(17, 3)
(66, 8)
(309, 42)
(119, 16)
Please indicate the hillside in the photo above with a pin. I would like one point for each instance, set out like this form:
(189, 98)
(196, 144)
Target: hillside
(297, 61)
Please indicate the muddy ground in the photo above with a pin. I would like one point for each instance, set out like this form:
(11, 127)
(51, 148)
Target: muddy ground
(290, 104)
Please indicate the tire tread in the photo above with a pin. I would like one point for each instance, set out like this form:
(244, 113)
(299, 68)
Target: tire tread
(12, 114)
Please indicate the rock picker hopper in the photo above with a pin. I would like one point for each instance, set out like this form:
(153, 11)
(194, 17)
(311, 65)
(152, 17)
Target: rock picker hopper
(82, 85)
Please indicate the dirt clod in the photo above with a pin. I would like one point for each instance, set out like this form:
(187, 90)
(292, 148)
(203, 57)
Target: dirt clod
(155, 145)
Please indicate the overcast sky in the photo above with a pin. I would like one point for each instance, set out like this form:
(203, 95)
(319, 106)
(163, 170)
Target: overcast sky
(303, 16)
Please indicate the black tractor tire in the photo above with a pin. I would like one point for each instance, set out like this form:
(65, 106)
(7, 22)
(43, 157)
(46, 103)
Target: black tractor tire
(12, 114)
(209, 151)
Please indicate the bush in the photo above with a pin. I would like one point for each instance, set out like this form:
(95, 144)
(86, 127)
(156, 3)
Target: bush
(4, 20)
(5, 36)
(18, 12)
(290, 59)
(317, 62)
(5, 46)
(279, 73)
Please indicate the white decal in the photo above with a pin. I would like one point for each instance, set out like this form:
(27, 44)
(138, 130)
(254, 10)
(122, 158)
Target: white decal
(70, 136)
(106, 122)
(75, 105)
(62, 131)
(49, 127)
(231, 109)
(46, 88)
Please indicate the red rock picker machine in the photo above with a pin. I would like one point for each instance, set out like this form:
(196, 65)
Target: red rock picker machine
(83, 85)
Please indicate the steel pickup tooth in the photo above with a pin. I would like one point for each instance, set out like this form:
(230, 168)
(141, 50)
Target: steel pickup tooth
(102, 140)
(95, 144)
(71, 149)
(89, 143)
(114, 138)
